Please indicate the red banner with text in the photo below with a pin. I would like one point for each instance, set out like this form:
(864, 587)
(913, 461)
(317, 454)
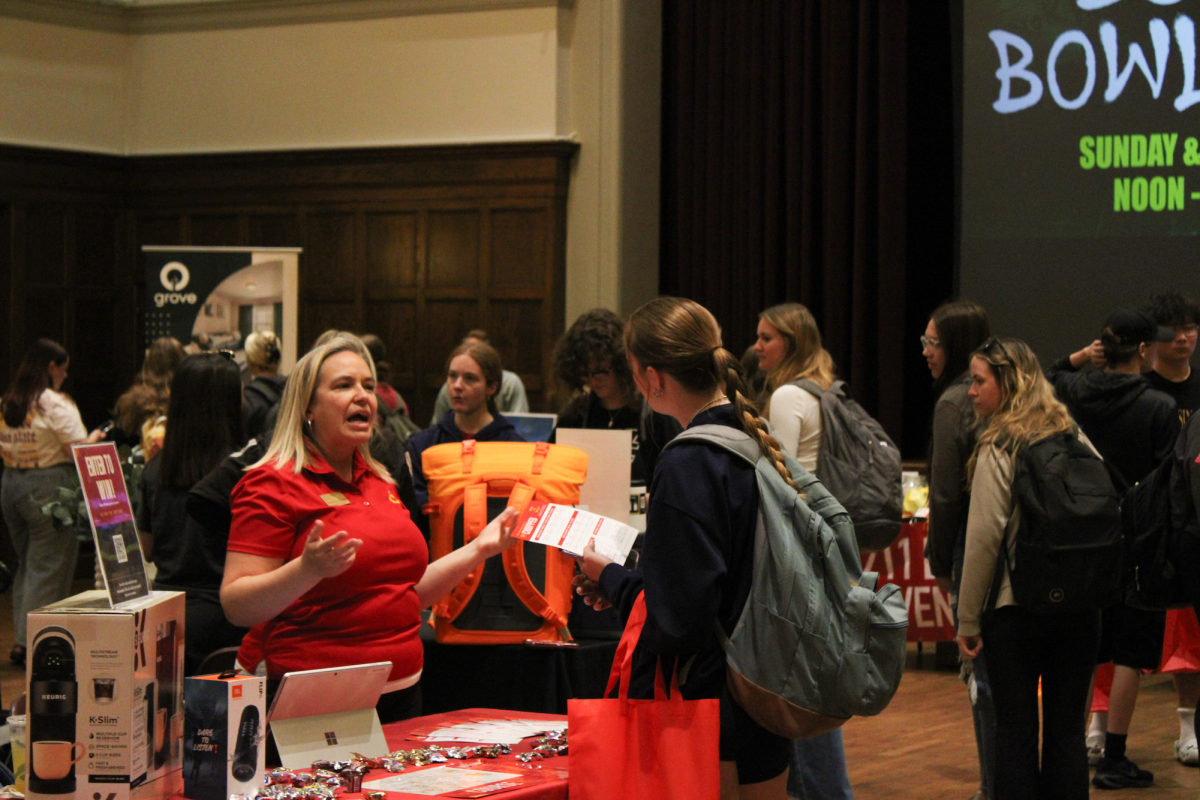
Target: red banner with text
(929, 616)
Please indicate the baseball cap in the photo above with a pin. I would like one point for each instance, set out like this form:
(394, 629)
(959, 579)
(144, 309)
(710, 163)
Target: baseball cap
(1134, 326)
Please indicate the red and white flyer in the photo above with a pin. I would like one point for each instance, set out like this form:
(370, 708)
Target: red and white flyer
(570, 529)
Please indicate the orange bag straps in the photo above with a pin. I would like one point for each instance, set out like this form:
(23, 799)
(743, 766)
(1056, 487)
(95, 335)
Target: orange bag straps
(518, 574)
(540, 450)
(474, 521)
(468, 456)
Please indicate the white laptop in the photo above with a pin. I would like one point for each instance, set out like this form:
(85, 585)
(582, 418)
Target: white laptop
(328, 714)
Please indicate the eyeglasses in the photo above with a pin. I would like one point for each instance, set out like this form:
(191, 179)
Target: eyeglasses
(927, 342)
(228, 355)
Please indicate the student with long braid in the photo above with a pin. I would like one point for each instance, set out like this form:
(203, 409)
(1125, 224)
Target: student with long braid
(696, 567)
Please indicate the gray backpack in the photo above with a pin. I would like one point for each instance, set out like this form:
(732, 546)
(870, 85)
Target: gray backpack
(860, 465)
(816, 644)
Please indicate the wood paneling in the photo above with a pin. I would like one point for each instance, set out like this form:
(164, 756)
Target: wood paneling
(416, 244)
(454, 249)
(391, 254)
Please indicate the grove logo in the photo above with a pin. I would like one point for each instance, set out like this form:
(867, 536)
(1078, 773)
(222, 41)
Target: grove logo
(174, 276)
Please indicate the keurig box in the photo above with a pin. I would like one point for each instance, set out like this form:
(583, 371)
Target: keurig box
(100, 722)
(223, 750)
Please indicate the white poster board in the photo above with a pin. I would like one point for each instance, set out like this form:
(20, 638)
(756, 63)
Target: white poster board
(610, 453)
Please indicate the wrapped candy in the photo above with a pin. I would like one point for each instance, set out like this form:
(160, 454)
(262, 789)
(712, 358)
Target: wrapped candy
(317, 766)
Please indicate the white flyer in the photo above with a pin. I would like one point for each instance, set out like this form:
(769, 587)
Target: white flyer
(570, 529)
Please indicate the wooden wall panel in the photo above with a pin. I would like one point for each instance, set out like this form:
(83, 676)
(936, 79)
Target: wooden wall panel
(454, 249)
(520, 254)
(391, 254)
(416, 244)
(96, 247)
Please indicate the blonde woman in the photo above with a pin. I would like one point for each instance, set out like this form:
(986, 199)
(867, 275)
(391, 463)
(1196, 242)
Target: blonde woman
(263, 354)
(1016, 407)
(350, 597)
(789, 350)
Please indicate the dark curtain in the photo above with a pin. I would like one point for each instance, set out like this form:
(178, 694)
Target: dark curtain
(785, 161)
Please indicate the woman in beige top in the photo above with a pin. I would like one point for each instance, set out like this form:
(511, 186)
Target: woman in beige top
(38, 427)
(1017, 407)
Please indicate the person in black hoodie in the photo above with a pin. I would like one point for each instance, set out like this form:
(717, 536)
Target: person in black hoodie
(473, 375)
(1133, 426)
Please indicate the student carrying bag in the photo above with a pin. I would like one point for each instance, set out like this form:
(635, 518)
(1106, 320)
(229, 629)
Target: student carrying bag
(1068, 552)
(816, 643)
(525, 592)
(1155, 513)
(860, 465)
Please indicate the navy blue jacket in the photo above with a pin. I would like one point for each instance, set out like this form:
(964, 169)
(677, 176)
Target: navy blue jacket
(498, 430)
(696, 565)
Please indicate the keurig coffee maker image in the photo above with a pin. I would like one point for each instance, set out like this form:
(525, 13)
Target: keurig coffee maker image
(52, 706)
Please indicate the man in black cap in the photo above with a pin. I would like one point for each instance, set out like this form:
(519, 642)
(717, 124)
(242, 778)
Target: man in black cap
(1133, 426)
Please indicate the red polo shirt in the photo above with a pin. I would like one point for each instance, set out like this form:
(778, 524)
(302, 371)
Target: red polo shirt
(371, 611)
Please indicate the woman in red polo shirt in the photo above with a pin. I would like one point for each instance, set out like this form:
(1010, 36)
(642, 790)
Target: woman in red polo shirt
(353, 596)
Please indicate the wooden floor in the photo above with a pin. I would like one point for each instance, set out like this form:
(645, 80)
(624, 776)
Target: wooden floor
(922, 746)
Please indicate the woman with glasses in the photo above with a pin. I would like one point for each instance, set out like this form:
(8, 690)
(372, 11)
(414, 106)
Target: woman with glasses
(590, 368)
(1023, 650)
(955, 329)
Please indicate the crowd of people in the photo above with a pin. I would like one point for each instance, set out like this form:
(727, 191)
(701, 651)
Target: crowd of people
(289, 509)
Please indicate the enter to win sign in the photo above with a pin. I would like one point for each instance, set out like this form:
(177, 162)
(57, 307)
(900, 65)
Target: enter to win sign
(929, 616)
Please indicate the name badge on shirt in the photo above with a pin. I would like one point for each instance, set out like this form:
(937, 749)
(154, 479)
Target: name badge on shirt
(335, 499)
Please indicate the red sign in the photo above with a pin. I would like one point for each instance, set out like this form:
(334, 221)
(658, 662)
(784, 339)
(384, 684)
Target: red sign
(930, 618)
(113, 529)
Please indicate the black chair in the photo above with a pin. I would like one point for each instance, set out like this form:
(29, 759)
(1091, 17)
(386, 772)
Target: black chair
(221, 660)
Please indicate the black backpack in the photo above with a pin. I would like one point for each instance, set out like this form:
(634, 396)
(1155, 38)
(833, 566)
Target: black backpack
(1069, 547)
(860, 466)
(1155, 513)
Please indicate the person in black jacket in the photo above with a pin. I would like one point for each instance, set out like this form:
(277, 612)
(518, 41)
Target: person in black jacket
(205, 425)
(266, 385)
(473, 375)
(697, 563)
(1133, 426)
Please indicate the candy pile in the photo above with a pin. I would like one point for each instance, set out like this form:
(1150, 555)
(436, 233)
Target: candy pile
(328, 777)
(554, 743)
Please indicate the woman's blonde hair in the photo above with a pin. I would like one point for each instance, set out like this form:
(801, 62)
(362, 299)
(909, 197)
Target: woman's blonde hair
(293, 444)
(1028, 411)
(262, 350)
(805, 358)
(681, 338)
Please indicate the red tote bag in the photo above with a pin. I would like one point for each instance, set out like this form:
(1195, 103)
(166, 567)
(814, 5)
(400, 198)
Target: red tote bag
(661, 749)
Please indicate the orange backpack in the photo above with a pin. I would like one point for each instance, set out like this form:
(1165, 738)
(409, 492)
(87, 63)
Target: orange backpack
(525, 593)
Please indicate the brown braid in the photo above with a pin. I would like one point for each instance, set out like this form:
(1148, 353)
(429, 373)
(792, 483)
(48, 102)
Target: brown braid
(747, 413)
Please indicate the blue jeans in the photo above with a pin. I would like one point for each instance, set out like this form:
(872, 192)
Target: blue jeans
(819, 769)
(45, 553)
(983, 708)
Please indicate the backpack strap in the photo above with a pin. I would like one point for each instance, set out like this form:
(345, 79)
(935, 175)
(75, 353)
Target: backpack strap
(518, 575)
(737, 442)
(468, 456)
(474, 521)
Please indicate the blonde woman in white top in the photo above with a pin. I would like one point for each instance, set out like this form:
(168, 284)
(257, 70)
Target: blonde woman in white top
(38, 427)
(789, 349)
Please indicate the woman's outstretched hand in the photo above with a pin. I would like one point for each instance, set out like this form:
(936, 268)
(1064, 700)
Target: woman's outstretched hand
(325, 558)
(497, 536)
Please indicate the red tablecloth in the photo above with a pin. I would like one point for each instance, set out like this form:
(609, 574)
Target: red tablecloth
(552, 789)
